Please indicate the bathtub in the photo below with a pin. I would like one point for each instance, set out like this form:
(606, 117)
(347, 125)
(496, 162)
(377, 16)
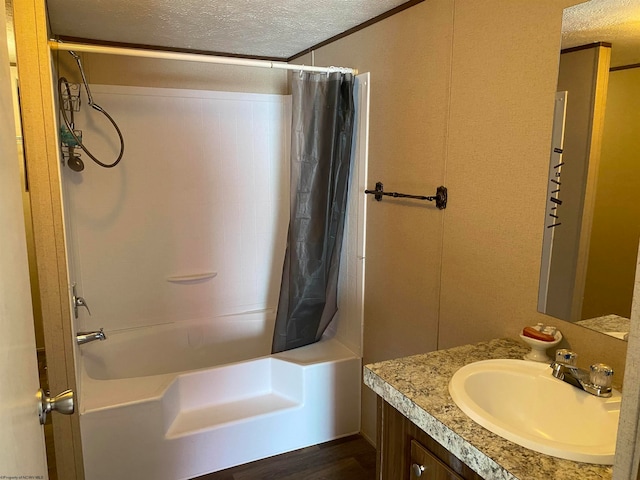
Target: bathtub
(184, 399)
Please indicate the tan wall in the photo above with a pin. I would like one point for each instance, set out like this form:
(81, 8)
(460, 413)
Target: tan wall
(616, 228)
(462, 94)
(504, 79)
(409, 56)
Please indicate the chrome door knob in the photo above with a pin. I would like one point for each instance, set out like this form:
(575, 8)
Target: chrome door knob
(418, 470)
(62, 403)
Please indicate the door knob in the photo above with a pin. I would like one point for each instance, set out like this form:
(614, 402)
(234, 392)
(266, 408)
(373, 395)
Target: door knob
(62, 403)
(418, 470)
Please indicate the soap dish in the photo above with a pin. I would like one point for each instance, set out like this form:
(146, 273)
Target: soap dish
(539, 348)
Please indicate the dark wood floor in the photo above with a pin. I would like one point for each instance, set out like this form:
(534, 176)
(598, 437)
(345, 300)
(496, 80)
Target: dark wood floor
(349, 458)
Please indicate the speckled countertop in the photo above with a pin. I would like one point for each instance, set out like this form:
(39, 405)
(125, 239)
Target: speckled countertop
(417, 386)
(609, 324)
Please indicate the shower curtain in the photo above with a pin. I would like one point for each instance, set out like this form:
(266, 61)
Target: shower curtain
(321, 138)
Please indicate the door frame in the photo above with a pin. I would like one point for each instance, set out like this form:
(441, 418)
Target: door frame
(35, 71)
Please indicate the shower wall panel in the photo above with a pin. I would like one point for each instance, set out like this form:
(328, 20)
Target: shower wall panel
(202, 189)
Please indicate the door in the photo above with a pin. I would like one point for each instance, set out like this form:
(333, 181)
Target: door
(22, 450)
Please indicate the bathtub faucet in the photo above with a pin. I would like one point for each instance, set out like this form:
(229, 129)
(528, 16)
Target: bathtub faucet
(86, 337)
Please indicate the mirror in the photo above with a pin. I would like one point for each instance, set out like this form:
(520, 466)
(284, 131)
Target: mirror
(592, 222)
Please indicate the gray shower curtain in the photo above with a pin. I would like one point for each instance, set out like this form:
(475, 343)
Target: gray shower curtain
(321, 138)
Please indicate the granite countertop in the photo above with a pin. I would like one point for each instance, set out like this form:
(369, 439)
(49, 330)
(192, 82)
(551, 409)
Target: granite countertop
(417, 386)
(613, 325)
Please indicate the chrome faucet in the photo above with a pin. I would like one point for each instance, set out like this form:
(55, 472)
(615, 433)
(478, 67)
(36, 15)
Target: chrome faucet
(86, 337)
(596, 382)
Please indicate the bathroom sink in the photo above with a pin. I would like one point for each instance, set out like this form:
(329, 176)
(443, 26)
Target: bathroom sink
(520, 401)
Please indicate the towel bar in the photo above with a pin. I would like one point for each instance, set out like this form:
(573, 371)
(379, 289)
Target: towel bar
(440, 197)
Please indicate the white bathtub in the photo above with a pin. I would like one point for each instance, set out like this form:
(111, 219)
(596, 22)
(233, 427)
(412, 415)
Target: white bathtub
(181, 400)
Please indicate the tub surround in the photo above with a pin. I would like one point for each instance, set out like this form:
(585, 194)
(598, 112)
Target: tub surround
(417, 386)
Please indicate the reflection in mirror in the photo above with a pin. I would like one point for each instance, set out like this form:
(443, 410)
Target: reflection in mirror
(592, 223)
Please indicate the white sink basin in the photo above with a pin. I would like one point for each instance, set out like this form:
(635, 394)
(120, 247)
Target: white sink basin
(522, 402)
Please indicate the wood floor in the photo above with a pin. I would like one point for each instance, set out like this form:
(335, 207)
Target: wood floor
(350, 458)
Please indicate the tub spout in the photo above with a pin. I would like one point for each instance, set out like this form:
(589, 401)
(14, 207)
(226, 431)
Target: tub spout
(86, 337)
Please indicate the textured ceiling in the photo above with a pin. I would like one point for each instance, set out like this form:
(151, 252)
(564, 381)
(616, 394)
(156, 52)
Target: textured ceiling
(613, 21)
(271, 28)
(282, 28)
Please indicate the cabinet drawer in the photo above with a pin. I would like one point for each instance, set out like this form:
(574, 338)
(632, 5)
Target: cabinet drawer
(424, 465)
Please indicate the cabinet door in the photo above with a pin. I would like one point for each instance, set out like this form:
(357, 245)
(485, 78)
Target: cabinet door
(396, 435)
(424, 465)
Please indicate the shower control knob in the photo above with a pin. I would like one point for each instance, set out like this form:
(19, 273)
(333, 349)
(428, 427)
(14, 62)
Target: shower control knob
(62, 403)
(78, 301)
(81, 302)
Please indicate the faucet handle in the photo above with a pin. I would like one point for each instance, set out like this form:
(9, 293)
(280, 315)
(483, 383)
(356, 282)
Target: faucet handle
(81, 302)
(600, 375)
(78, 301)
(567, 357)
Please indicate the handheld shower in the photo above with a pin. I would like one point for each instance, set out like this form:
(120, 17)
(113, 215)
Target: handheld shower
(68, 136)
(74, 162)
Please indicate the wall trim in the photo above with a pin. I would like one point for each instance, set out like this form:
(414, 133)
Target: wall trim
(625, 67)
(585, 47)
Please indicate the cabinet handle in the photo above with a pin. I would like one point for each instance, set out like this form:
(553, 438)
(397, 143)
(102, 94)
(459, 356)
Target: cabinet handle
(417, 469)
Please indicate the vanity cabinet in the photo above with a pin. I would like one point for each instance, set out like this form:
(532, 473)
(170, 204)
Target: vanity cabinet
(407, 453)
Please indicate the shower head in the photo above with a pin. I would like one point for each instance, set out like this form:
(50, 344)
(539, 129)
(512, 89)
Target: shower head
(75, 163)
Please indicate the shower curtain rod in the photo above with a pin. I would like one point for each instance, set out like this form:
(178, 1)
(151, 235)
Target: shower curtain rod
(191, 57)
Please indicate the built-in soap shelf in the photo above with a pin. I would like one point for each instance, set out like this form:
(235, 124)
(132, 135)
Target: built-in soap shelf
(195, 277)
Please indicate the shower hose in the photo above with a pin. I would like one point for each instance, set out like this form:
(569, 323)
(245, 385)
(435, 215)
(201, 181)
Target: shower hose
(70, 124)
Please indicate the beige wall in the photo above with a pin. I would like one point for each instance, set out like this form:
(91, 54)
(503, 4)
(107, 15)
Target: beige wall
(409, 57)
(616, 229)
(462, 94)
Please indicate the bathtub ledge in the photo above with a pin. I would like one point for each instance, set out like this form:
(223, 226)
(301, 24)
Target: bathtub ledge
(109, 394)
(240, 411)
